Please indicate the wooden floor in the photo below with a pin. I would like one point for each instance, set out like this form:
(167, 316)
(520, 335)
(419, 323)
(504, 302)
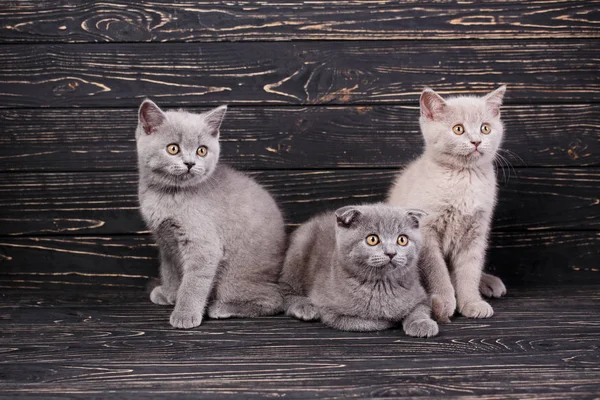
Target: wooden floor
(542, 343)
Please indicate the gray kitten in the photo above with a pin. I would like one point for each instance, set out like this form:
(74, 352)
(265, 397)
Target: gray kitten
(455, 183)
(356, 270)
(220, 234)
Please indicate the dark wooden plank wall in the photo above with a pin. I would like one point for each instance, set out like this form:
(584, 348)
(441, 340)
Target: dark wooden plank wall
(324, 111)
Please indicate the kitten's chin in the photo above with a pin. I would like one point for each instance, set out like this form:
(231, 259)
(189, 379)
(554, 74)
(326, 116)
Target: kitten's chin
(178, 179)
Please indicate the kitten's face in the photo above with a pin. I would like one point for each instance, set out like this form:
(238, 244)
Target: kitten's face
(378, 239)
(462, 130)
(177, 148)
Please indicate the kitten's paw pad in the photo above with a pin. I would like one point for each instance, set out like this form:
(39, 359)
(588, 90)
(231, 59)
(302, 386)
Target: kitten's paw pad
(422, 328)
(477, 309)
(491, 286)
(185, 319)
(443, 307)
(303, 311)
(218, 311)
(158, 296)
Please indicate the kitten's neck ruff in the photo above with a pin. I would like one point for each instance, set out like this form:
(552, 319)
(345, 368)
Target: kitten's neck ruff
(168, 186)
(454, 163)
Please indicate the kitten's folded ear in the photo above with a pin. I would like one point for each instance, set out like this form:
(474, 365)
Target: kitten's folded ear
(150, 116)
(432, 105)
(494, 99)
(214, 118)
(415, 215)
(346, 216)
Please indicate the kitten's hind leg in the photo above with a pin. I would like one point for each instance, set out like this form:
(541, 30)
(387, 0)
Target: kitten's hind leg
(220, 310)
(419, 323)
(255, 301)
(348, 323)
(301, 308)
(491, 286)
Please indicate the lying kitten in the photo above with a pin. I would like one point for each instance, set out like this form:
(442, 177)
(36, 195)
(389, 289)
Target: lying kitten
(455, 184)
(357, 271)
(220, 234)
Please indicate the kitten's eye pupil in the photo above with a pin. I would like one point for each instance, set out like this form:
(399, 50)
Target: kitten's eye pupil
(458, 129)
(402, 240)
(372, 240)
(172, 149)
(202, 151)
(486, 128)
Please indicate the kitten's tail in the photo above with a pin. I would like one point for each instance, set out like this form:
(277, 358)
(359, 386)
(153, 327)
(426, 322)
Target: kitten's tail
(152, 283)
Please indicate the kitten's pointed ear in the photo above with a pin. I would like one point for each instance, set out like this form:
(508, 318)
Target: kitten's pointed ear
(214, 118)
(494, 100)
(150, 116)
(346, 216)
(432, 105)
(415, 215)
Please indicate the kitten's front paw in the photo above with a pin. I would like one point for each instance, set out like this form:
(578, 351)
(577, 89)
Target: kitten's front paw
(477, 309)
(491, 286)
(158, 296)
(422, 328)
(443, 307)
(304, 311)
(185, 319)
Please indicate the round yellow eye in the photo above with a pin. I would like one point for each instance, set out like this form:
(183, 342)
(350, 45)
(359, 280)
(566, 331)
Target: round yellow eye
(458, 129)
(172, 149)
(402, 240)
(372, 240)
(202, 150)
(486, 128)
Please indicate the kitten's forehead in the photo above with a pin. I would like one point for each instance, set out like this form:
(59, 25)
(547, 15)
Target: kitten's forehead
(385, 220)
(186, 123)
(467, 108)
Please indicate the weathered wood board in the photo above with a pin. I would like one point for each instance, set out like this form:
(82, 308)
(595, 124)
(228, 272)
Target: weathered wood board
(541, 343)
(206, 21)
(254, 138)
(364, 72)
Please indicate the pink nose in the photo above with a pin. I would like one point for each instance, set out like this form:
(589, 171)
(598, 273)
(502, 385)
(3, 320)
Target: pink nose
(476, 144)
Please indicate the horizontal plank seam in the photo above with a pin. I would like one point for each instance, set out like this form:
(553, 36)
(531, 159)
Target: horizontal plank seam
(560, 37)
(295, 169)
(291, 105)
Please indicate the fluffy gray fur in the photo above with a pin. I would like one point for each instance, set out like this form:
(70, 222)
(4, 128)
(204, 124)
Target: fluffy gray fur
(220, 234)
(331, 273)
(455, 183)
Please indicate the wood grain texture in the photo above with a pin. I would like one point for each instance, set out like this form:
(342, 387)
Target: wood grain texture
(541, 343)
(290, 137)
(107, 203)
(113, 75)
(207, 21)
(520, 258)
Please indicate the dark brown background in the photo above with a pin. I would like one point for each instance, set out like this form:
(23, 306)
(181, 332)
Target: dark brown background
(323, 111)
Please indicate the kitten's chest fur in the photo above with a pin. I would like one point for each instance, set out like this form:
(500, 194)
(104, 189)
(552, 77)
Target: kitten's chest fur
(384, 298)
(464, 207)
(157, 207)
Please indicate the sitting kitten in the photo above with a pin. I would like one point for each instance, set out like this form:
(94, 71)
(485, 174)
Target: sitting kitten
(455, 184)
(220, 234)
(357, 271)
